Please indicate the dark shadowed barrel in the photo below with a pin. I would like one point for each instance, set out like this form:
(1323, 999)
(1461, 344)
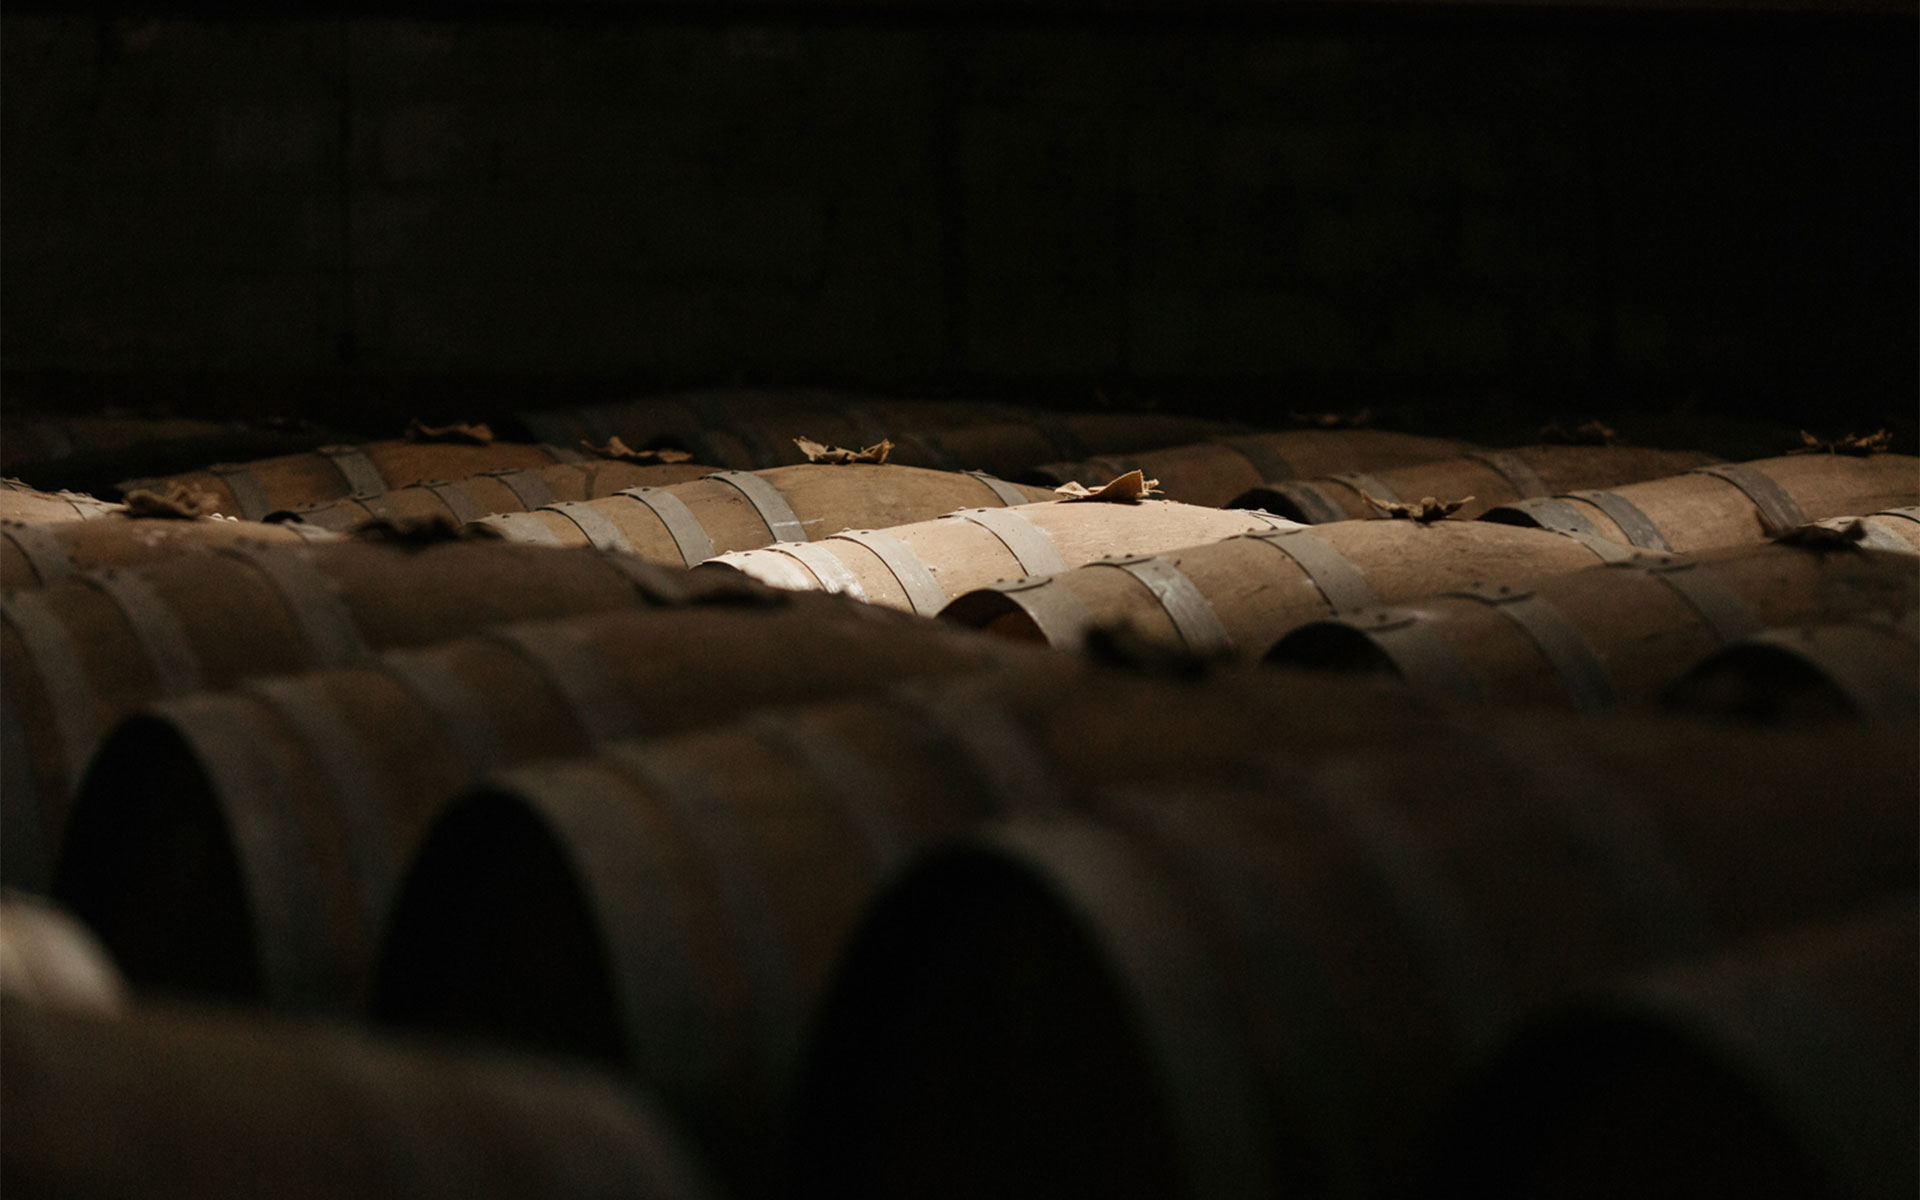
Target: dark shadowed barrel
(694, 520)
(1266, 992)
(1784, 1068)
(179, 1105)
(1482, 478)
(1616, 634)
(1726, 504)
(247, 843)
(1867, 668)
(79, 656)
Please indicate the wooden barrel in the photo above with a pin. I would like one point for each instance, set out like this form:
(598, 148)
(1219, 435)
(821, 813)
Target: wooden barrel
(745, 430)
(1867, 668)
(253, 490)
(1017, 449)
(1616, 634)
(48, 958)
(246, 843)
(509, 490)
(1266, 992)
(692, 521)
(699, 886)
(78, 657)
(91, 452)
(37, 555)
(28, 505)
(1727, 504)
(1238, 596)
(918, 567)
(1489, 477)
(179, 1105)
(1895, 529)
(1216, 470)
(1785, 1068)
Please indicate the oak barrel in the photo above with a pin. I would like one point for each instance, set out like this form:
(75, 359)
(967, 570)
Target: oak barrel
(1616, 634)
(1784, 1068)
(175, 1104)
(77, 657)
(29, 505)
(920, 566)
(1267, 991)
(508, 490)
(1867, 668)
(1482, 478)
(1726, 504)
(1225, 466)
(246, 843)
(1237, 596)
(37, 555)
(693, 520)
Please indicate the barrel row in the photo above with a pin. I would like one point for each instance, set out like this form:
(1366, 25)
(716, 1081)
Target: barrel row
(28, 505)
(1237, 596)
(37, 555)
(690, 522)
(918, 567)
(255, 490)
(77, 657)
(1725, 504)
(508, 490)
(1481, 478)
(1269, 991)
(1623, 632)
(702, 888)
(315, 788)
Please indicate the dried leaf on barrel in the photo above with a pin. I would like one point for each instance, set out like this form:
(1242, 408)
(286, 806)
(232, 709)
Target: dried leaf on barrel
(1333, 420)
(177, 503)
(428, 530)
(1593, 433)
(1425, 510)
(818, 453)
(1823, 539)
(465, 435)
(1856, 444)
(1130, 488)
(621, 452)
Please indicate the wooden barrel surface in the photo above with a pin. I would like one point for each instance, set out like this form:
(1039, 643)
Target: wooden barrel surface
(37, 555)
(181, 1105)
(918, 567)
(1783, 1068)
(1489, 477)
(253, 490)
(1267, 991)
(1867, 668)
(1017, 449)
(691, 521)
(1225, 466)
(1895, 529)
(1620, 633)
(1236, 597)
(77, 657)
(508, 490)
(49, 958)
(246, 844)
(29, 505)
(1727, 504)
(745, 430)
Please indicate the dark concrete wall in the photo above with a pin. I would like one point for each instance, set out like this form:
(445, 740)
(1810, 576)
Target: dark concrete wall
(1444, 205)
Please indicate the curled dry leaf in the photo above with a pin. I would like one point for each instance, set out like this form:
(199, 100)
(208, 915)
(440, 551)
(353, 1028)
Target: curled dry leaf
(415, 532)
(1130, 488)
(1858, 444)
(1592, 433)
(177, 503)
(1425, 510)
(619, 451)
(819, 453)
(1333, 420)
(1823, 539)
(465, 435)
